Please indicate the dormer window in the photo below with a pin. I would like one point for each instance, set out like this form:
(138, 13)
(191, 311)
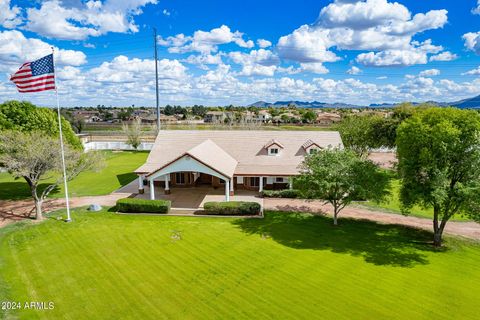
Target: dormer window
(310, 147)
(273, 148)
(273, 151)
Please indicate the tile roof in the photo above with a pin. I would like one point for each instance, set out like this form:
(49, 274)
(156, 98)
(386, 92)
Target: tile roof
(246, 147)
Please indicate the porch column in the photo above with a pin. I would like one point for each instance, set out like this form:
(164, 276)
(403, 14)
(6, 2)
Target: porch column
(260, 188)
(167, 185)
(140, 184)
(152, 191)
(290, 183)
(231, 187)
(227, 190)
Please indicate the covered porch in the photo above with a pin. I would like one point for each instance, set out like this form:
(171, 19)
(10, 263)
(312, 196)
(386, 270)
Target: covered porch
(193, 198)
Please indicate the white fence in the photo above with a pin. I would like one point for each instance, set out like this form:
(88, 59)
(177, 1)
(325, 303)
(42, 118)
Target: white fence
(115, 145)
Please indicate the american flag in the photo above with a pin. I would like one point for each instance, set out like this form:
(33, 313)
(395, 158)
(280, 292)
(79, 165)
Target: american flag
(35, 76)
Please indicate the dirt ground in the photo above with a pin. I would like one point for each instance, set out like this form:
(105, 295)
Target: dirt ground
(385, 160)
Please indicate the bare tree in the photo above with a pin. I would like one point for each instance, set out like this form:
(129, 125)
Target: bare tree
(134, 133)
(36, 157)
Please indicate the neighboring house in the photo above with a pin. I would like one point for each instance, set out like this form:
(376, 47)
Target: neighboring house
(327, 119)
(253, 160)
(217, 116)
(87, 116)
(264, 116)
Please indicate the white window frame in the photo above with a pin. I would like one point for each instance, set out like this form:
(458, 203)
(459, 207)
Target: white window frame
(272, 153)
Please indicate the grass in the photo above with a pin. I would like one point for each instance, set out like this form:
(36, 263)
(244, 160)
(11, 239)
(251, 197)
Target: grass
(117, 172)
(392, 205)
(288, 266)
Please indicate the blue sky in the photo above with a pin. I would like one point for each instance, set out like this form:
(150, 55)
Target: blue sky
(217, 53)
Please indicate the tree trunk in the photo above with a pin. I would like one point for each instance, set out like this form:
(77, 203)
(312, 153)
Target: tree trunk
(38, 209)
(335, 213)
(437, 235)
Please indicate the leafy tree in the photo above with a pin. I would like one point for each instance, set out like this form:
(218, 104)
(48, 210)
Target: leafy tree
(358, 133)
(24, 116)
(309, 116)
(439, 164)
(134, 133)
(340, 177)
(34, 156)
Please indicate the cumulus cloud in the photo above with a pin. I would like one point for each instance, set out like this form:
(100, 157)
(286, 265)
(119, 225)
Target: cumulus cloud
(54, 19)
(15, 49)
(416, 54)
(473, 72)
(444, 56)
(256, 62)
(476, 10)
(9, 15)
(204, 41)
(262, 43)
(376, 25)
(204, 59)
(472, 41)
(429, 73)
(354, 70)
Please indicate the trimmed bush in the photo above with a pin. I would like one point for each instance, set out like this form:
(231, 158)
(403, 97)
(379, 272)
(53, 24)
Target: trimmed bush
(140, 205)
(286, 193)
(232, 208)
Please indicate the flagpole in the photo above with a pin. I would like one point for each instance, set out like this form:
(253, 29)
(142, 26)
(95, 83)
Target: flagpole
(61, 140)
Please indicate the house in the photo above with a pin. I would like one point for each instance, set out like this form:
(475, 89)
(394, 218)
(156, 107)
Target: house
(87, 116)
(252, 160)
(264, 116)
(217, 116)
(327, 118)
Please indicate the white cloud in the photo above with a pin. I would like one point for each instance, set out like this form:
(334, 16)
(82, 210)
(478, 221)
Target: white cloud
(9, 15)
(262, 43)
(204, 41)
(472, 41)
(314, 67)
(122, 70)
(15, 49)
(416, 54)
(166, 12)
(203, 60)
(354, 70)
(473, 72)
(444, 56)
(476, 10)
(376, 25)
(257, 62)
(429, 73)
(53, 19)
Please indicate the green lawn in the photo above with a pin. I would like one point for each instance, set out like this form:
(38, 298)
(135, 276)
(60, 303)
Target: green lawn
(392, 205)
(116, 173)
(286, 266)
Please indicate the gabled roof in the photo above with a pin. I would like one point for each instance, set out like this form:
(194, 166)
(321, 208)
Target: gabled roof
(247, 147)
(309, 143)
(273, 142)
(215, 157)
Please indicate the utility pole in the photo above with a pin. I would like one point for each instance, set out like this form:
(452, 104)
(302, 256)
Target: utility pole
(156, 78)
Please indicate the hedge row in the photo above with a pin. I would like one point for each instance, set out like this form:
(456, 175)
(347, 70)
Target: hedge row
(143, 206)
(231, 208)
(286, 193)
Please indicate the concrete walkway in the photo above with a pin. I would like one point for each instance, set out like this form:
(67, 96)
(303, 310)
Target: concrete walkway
(465, 229)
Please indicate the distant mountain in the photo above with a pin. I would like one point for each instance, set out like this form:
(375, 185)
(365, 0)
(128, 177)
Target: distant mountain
(302, 104)
(467, 103)
(462, 104)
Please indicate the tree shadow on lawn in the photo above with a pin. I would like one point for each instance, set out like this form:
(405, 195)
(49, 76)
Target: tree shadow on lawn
(19, 190)
(379, 244)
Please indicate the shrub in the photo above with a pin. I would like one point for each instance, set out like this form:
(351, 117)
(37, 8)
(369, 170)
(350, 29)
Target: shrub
(141, 205)
(232, 208)
(286, 193)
